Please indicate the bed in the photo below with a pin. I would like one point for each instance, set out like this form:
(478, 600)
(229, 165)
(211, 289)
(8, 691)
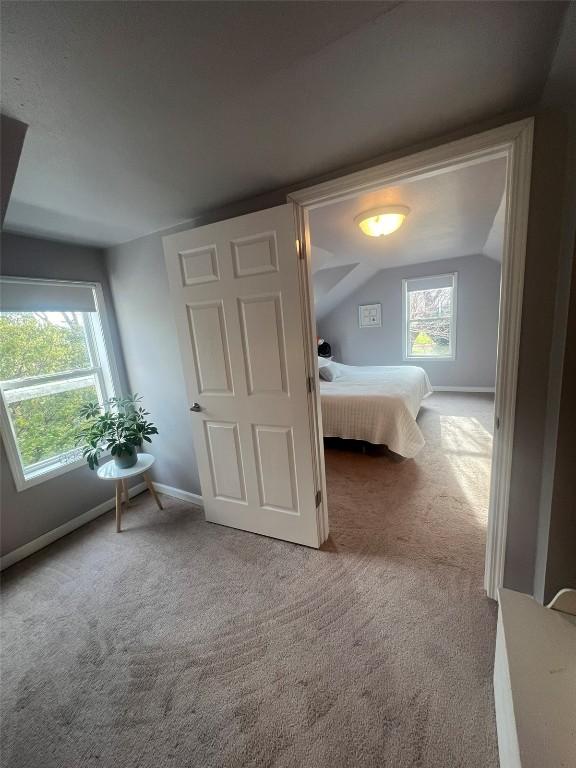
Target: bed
(377, 404)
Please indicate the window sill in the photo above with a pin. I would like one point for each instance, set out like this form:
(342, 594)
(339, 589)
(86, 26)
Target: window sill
(429, 359)
(55, 470)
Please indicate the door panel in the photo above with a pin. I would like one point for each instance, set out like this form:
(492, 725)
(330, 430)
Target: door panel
(200, 266)
(237, 304)
(276, 468)
(226, 467)
(255, 255)
(263, 344)
(210, 348)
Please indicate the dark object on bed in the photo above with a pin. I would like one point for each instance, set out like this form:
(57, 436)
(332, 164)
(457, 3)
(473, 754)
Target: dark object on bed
(324, 349)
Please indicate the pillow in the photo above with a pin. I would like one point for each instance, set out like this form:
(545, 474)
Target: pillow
(329, 372)
(323, 362)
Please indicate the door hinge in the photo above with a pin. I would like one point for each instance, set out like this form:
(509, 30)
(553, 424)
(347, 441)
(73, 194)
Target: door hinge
(318, 498)
(310, 383)
(299, 249)
(497, 422)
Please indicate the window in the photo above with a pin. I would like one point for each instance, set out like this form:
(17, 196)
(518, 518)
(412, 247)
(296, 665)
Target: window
(430, 318)
(53, 358)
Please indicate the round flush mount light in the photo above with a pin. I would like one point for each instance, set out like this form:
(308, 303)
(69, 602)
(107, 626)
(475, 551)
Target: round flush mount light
(382, 221)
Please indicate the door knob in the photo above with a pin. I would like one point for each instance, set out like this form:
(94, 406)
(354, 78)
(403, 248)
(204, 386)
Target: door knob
(196, 407)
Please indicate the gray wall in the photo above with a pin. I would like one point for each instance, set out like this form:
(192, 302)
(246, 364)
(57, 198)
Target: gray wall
(556, 543)
(551, 212)
(27, 514)
(560, 568)
(145, 319)
(477, 322)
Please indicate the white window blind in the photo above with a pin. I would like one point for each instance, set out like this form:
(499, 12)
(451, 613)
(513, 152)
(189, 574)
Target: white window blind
(45, 296)
(429, 283)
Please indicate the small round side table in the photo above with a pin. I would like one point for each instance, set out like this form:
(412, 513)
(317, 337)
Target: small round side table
(110, 471)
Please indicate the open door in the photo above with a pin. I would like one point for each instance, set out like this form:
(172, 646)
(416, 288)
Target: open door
(236, 297)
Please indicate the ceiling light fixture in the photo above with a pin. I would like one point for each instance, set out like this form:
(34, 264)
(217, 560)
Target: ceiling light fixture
(382, 221)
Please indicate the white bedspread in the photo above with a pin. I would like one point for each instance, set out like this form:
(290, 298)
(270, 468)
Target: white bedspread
(378, 404)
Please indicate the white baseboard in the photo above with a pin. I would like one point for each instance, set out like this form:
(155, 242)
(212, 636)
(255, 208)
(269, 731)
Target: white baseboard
(464, 389)
(47, 538)
(177, 493)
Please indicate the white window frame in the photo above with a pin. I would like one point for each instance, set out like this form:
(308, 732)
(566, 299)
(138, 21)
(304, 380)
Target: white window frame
(101, 349)
(406, 356)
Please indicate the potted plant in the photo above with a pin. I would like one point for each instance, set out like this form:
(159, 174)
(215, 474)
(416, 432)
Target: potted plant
(119, 425)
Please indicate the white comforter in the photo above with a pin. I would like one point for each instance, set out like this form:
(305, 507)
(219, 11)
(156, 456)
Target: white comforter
(378, 404)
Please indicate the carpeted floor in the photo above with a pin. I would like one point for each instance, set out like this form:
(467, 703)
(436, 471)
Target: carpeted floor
(184, 644)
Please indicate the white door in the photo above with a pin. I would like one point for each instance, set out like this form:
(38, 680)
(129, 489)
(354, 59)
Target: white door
(236, 296)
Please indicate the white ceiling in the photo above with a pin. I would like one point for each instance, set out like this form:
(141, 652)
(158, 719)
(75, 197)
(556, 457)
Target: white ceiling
(457, 213)
(146, 114)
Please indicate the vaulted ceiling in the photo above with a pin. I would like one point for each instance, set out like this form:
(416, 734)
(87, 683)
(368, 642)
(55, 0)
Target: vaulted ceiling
(457, 213)
(144, 114)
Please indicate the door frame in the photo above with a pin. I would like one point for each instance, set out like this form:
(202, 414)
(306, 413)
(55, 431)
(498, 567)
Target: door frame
(512, 141)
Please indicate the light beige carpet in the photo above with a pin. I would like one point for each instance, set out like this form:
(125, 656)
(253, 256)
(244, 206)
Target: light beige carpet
(179, 643)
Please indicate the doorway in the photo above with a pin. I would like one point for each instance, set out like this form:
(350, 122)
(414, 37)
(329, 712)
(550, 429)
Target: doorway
(511, 146)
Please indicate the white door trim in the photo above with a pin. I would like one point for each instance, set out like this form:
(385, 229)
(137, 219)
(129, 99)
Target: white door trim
(514, 142)
(311, 355)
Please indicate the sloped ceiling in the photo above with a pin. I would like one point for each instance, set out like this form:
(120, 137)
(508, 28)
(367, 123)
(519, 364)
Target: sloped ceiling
(560, 89)
(458, 213)
(146, 114)
(12, 133)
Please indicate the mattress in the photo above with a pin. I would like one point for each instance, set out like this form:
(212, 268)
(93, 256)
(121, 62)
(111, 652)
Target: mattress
(378, 404)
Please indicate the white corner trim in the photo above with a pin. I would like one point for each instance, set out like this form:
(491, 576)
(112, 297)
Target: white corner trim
(509, 324)
(62, 530)
(464, 389)
(177, 493)
(508, 748)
